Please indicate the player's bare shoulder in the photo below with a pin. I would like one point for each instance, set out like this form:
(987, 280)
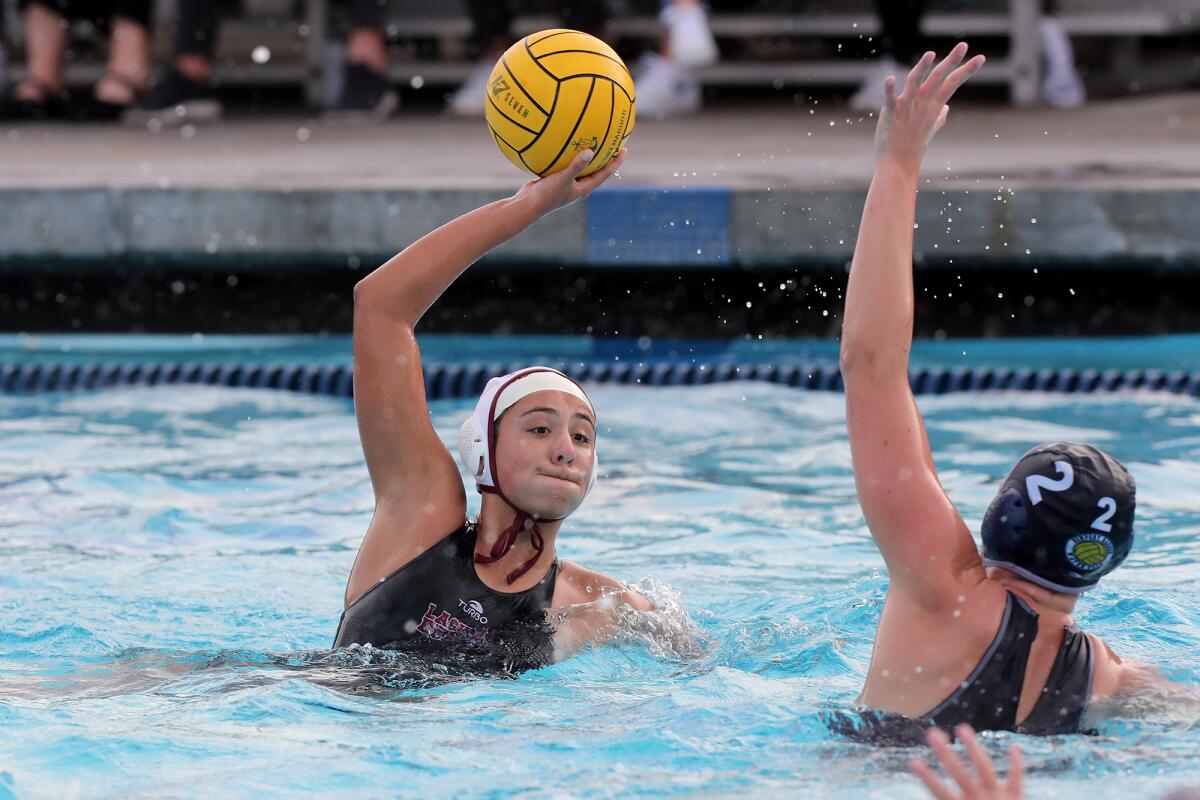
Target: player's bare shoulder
(1116, 677)
(577, 584)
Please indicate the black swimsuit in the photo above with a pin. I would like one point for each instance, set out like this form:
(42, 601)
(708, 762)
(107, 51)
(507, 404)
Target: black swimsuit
(988, 699)
(437, 601)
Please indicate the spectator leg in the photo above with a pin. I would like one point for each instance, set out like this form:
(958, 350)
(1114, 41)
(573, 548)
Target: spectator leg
(196, 38)
(900, 25)
(366, 43)
(45, 44)
(899, 48)
(1025, 52)
(491, 27)
(128, 61)
(363, 92)
(316, 19)
(491, 34)
(3, 45)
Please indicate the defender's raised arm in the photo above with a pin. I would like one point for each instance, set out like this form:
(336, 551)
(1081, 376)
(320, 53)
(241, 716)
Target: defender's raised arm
(915, 526)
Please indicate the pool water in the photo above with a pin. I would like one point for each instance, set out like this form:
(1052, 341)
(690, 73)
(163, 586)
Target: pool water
(172, 563)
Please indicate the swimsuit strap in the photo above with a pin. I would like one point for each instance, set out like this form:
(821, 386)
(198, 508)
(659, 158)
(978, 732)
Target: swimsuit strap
(989, 697)
(1064, 699)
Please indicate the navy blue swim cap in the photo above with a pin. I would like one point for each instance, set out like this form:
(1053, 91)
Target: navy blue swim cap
(1063, 518)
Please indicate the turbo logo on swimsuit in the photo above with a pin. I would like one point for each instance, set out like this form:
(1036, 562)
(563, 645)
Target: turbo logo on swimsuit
(473, 610)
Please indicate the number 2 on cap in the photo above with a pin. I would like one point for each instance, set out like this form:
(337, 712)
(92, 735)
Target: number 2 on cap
(1034, 484)
(1102, 522)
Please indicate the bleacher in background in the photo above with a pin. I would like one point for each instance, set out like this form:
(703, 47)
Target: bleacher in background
(790, 43)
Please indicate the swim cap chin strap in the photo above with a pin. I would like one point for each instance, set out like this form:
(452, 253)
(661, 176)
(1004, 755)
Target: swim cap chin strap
(509, 538)
(475, 442)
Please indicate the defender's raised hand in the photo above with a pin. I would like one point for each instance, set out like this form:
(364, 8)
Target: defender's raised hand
(984, 784)
(909, 121)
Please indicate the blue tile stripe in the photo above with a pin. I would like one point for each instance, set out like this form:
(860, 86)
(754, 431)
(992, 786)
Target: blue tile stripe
(467, 380)
(659, 227)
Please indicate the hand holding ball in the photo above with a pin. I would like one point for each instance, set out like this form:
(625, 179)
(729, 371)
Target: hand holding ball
(555, 94)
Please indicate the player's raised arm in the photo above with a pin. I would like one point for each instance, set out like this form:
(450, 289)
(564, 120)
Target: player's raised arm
(414, 478)
(918, 530)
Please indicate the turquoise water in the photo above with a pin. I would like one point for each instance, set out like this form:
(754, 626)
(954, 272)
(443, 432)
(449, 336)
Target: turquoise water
(172, 562)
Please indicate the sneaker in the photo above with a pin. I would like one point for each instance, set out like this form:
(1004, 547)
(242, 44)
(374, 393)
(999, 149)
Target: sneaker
(690, 39)
(470, 100)
(664, 89)
(870, 96)
(175, 99)
(1062, 86)
(367, 96)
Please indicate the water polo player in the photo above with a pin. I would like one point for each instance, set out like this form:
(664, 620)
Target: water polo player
(424, 573)
(963, 639)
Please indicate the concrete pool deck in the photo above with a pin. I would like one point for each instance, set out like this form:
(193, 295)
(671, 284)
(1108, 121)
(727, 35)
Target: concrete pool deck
(764, 184)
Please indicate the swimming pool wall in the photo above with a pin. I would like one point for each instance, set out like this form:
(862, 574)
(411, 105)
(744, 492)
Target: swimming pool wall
(1008, 223)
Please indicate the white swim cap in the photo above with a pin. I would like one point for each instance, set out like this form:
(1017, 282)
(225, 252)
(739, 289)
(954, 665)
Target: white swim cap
(475, 437)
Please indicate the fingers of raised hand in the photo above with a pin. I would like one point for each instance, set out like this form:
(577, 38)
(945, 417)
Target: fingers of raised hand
(941, 120)
(979, 758)
(939, 742)
(918, 74)
(1016, 773)
(938, 74)
(590, 182)
(615, 164)
(934, 784)
(579, 163)
(959, 76)
(889, 92)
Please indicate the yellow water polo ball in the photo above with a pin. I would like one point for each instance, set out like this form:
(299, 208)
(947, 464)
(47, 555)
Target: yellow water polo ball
(1091, 553)
(555, 93)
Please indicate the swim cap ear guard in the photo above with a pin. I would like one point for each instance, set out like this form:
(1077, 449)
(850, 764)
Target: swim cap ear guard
(1063, 517)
